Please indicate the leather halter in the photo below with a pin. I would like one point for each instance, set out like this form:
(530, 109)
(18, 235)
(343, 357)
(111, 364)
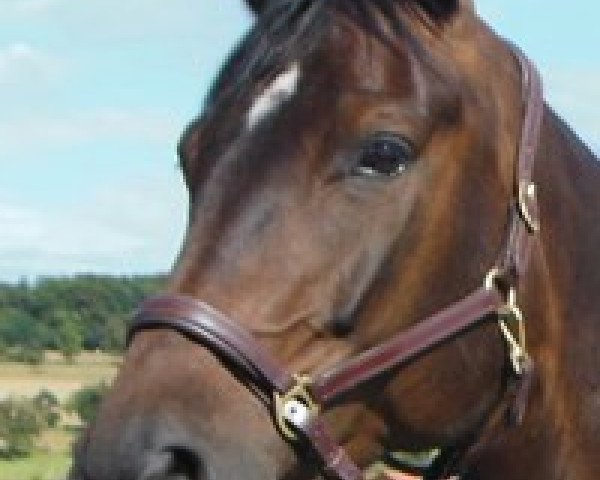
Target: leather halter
(297, 402)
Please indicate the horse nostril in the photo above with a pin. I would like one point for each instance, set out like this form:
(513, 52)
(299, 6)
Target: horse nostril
(172, 463)
(185, 465)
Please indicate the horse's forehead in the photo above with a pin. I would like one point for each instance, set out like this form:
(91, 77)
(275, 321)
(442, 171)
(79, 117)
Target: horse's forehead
(359, 63)
(375, 58)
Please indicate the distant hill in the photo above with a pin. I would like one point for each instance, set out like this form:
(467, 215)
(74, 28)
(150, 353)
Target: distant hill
(87, 312)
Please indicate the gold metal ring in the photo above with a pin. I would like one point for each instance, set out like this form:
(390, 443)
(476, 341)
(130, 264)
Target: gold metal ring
(517, 342)
(491, 278)
(297, 397)
(510, 315)
(527, 193)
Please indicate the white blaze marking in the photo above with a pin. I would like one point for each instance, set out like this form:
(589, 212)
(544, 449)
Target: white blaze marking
(281, 89)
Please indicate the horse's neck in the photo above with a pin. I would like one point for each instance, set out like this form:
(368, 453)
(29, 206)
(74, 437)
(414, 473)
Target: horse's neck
(560, 438)
(568, 177)
(572, 317)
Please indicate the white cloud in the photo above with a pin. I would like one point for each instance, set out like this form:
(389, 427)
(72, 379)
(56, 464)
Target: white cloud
(34, 6)
(122, 228)
(19, 9)
(51, 234)
(20, 61)
(47, 131)
(35, 241)
(118, 20)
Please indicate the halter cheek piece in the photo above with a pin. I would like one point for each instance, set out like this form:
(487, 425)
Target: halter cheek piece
(298, 401)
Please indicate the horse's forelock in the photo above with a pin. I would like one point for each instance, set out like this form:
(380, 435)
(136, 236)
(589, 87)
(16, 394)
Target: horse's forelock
(283, 22)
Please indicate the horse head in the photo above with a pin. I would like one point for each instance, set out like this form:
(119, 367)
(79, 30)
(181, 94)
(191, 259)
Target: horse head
(349, 175)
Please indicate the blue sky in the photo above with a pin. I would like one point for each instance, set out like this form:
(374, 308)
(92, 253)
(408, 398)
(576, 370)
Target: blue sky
(94, 94)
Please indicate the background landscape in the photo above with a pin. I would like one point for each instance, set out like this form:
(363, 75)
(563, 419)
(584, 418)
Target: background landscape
(93, 97)
(60, 346)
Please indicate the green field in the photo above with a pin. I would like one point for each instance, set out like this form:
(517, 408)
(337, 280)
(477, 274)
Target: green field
(52, 458)
(40, 466)
(57, 375)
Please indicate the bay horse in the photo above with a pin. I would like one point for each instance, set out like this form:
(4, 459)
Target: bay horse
(359, 166)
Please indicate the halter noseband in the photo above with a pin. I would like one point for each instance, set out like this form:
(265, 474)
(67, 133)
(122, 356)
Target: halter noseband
(298, 401)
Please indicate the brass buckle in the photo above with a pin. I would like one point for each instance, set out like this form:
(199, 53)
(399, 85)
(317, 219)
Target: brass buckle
(515, 338)
(527, 193)
(295, 407)
(510, 315)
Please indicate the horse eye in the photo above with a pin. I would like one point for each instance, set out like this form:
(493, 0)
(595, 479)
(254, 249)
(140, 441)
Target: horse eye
(386, 155)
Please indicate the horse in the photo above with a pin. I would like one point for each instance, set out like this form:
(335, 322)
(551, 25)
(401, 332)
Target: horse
(359, 166)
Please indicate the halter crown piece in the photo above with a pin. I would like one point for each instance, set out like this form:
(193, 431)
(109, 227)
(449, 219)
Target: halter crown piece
(298, 401)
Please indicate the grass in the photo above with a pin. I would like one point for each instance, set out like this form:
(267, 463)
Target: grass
(57, 440)
(57, 375)
(39, 466)
(52, 458)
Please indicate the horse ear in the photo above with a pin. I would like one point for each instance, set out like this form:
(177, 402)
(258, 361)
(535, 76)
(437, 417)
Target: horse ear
(257, 6)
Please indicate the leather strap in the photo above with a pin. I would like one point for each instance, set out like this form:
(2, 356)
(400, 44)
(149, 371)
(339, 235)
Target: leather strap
(335, 460)
(207, 326)
(242, 351)
(228, 340)
(406, 346)
(515, 262)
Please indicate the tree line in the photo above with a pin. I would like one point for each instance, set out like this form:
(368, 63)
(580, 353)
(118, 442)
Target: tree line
(87, 312)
